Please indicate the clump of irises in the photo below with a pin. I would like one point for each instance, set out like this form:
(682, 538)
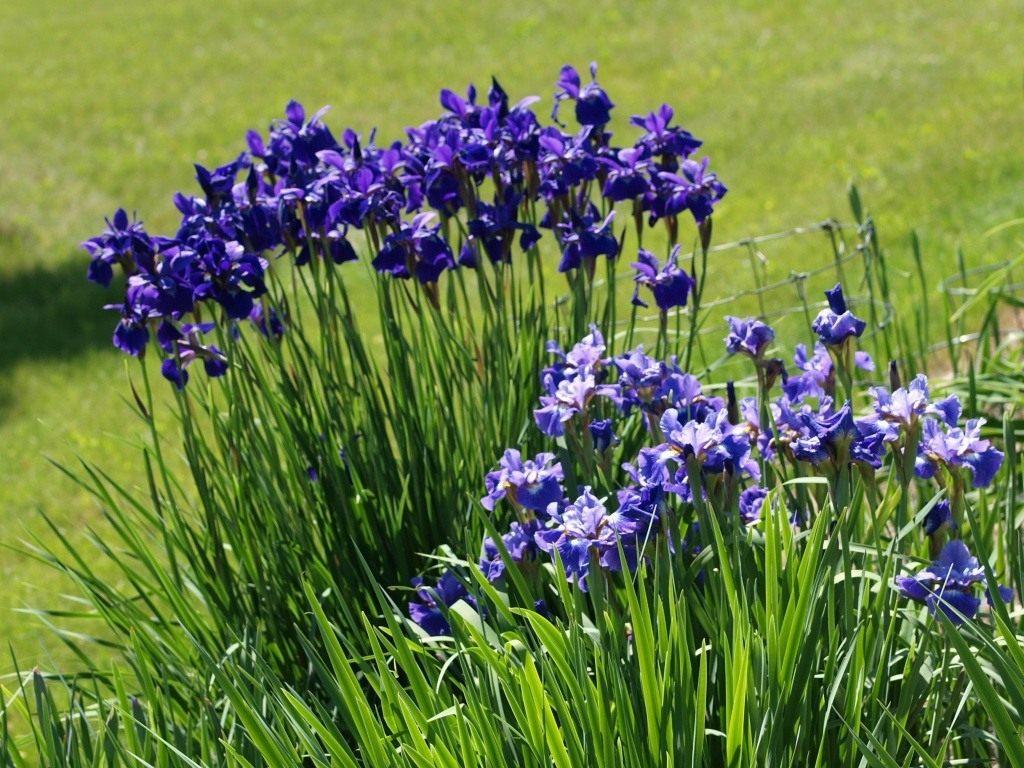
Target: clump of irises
(704, 456)
(483, 183)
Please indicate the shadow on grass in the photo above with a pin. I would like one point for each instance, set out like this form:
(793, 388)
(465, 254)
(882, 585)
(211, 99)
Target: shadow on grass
(47, 312)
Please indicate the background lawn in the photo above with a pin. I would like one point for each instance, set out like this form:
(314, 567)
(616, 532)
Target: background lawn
(105, 104)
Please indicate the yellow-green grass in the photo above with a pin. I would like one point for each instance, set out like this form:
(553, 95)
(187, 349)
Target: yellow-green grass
(106, 104)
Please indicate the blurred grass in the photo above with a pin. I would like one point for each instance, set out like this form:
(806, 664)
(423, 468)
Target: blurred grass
(107, 104)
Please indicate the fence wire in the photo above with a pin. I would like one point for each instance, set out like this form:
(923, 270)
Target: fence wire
(849, 254)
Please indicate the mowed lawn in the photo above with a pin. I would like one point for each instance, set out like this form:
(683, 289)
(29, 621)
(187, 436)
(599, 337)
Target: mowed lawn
(106, 104)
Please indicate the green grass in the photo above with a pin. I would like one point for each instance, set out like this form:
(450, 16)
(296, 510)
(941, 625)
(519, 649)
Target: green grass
(107, 104)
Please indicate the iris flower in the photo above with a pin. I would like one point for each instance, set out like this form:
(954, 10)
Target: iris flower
(948, 583)
(670, 285)
(837, 323)
(954, 449)
(593, 107)
(186, 348)
(426, 611)
(571, 397)
(713, 443)
(585, 529)
(817, 377)
(586, 237)
(124, 243)
(693, 188)
(532, 484)
(748, 336)
(751, 502)
(904, 406)
(519, 543)
(664, 139)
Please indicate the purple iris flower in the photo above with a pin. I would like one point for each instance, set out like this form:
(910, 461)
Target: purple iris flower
(131, 334)
(227, 273)
(334, 244)
(638, 513)
(952, 448)
(426, 611)
(495, 227)
(186, 348)
(750, 424)
(692, 188)
(751, 502)
(147, 298)
(1005, 594)
(836, 426)
(821, 435)
(269, 323)
(520, 543)
(217, 184)
(170, 290)
(290, 153)
(661, 138)
(948, 409)
(299, 189)
(948, 583)
(748, 336)
(941, 514)
(394, 255)
(627, 178)
(586, 237)
(584, 529)
(649, 472)
(497, 97)
(670, 285)
(593, 107)
(837, 323)
(713, 442)
(418, 247)
(585, 357)
(654, 385)
(464, 109)
(640, 373)
(295, 113)
(602, 433)
(532, 484)
(572, 396)
(441, 181)
(125, 243)
(868, 447)
(587, 354)
(817, 377)
(520, 132)
(684, 393)
(904, 406)
(564, 161)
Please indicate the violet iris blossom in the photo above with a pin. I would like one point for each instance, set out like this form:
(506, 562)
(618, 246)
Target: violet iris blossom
(748, 336)
(593, 107)
(532, 484)
(953, 448)
(837, 323)
(670, 285)
(948, 583)
(585, 529)
(426, 609)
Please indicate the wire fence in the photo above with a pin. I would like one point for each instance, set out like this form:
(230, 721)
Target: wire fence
(977, 301)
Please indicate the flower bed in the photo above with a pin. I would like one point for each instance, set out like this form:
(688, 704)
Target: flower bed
(627, 543)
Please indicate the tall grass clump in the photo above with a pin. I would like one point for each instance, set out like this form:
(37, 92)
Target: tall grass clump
(487, 497)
